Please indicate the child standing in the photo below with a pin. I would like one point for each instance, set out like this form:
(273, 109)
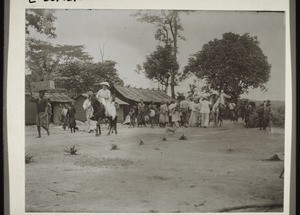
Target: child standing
(71, 115)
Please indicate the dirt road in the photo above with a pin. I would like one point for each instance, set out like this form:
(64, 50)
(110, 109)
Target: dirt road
(214, 168)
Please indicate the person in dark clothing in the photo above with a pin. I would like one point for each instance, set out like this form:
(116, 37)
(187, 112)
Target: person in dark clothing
(64, 115)
(132, 115)
(248, 114)
(221, 114)
(260, 113)
(72, 121)
(41, 115)
(267, 116)
(141, 114)
(242, 110)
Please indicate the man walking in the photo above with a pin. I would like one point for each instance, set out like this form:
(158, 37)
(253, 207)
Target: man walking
(41, 115)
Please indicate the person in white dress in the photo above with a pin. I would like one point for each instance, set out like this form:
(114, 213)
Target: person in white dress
(205, 110)
(175, 111)
(104, 96)
(87, 106)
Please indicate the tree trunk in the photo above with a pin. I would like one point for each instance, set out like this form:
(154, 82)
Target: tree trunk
(174, 72)
(166, 88)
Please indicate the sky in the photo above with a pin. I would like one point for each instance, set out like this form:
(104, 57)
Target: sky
(128, 41)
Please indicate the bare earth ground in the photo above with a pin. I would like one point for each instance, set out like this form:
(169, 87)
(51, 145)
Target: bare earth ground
(215, 168)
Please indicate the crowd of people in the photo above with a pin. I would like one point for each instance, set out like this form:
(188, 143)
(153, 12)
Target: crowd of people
(257, 116)
(192, 112)
(197, 111)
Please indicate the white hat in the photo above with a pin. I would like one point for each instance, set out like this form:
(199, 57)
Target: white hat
(104, 83)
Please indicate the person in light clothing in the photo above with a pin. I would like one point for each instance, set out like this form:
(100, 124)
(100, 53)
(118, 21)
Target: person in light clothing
(205, 110)
(175, 111)
(194, 116)
(104, 96)
(152, 113)
(87, 106)
(163, 114)
(215, 111)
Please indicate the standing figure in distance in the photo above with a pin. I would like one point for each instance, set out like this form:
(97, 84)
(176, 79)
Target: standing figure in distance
(87, 106)
(152, 108)
(71, 115)
(205, 110)
(141, 114)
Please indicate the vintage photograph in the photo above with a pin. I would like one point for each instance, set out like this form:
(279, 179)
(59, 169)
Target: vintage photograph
(154, 111)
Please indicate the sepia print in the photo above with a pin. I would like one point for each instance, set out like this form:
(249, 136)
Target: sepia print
(154, 111)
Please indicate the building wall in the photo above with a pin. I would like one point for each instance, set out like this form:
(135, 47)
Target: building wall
(56, 112)
(80, 112)
(120, 113)
(30, 111)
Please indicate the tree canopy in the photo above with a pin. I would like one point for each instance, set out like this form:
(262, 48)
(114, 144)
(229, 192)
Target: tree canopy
(79, 77)
(70, 66)
(41, 20)
(168, 30)
(159, 66)
(232, 64)
(44, 58)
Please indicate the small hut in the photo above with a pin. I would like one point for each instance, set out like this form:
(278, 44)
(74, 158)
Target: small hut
(57, 100)
(133, 95)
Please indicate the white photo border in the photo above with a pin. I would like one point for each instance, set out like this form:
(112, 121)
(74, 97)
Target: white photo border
(16, 78)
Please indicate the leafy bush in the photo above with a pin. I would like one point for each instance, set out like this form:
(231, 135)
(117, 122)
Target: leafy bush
(72, 150)
(278, 117)
(114, 147)
(182, 137)
(141, 142)
(28, 158)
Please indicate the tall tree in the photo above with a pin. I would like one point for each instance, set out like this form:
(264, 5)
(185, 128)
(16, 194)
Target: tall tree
(232, 64)
(159, 66)
(169, 27)
(78, 77)
(41, 20)
(43, 58)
